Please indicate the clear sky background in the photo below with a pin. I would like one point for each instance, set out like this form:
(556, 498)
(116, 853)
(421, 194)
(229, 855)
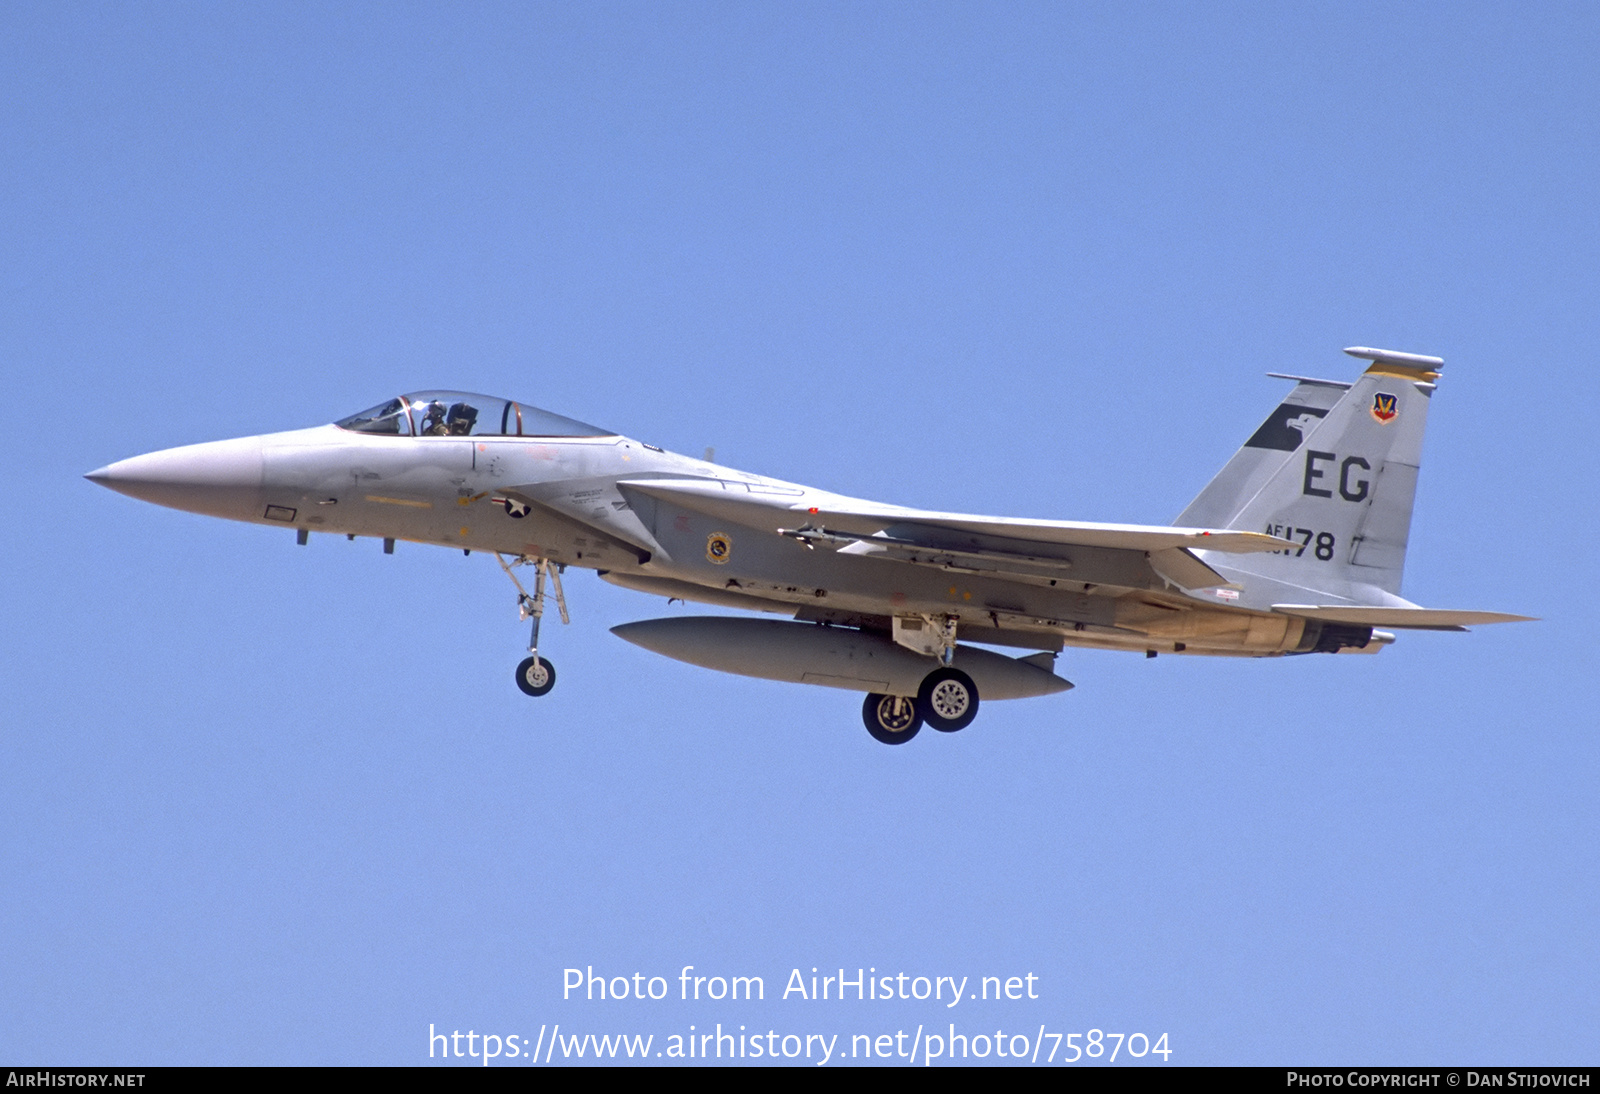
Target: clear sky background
(269, 804)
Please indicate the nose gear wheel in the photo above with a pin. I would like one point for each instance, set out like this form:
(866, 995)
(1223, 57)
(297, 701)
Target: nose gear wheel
(535, 676)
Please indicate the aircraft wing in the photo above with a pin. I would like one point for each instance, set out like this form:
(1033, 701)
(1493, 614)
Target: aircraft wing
(1000, 546)
(1123, 537)
(753, 505)
(1175, 564)
(1415, 618)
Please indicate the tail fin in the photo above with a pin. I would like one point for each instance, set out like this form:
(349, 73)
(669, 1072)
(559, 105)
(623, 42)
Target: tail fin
(1267, 450)
(1346, 493)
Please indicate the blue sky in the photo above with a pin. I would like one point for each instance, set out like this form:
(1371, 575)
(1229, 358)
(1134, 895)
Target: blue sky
(264, 804)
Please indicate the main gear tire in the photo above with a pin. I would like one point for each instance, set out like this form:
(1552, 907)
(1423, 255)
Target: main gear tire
(948, 700)
(891, 719)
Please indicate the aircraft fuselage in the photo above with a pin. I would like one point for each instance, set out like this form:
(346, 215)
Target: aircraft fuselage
(1296, 546)
(559, 498)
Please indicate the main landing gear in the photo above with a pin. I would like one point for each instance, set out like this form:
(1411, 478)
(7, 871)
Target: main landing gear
(535, 675)
(891, 719)
(947, 701)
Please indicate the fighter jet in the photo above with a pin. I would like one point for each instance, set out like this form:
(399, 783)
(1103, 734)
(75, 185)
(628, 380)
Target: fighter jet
(1296, 546)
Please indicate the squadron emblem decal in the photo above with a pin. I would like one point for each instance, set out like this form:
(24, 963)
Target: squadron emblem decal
(719, 548)
(1383, 407)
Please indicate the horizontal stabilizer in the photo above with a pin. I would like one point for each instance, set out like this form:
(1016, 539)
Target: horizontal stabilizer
(1419, 618)
(1342, 385)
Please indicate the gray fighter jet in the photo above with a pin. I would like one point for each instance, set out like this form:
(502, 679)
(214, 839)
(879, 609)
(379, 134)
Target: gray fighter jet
(1297, 545)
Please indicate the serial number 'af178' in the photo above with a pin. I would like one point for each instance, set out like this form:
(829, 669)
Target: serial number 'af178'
(1296, 546)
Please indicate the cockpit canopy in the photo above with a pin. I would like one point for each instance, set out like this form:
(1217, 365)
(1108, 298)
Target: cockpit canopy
(461, 414)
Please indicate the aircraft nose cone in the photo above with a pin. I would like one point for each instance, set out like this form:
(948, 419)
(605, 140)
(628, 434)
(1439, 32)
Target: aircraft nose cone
(222, 478)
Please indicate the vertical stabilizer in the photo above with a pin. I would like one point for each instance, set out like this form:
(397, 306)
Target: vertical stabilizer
(1346, 493)
(1267, 450)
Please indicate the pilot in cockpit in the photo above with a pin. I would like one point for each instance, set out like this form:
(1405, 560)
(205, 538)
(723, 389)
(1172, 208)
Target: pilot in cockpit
(457, 421)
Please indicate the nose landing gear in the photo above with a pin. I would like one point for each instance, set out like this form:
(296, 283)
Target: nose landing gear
(536, 675)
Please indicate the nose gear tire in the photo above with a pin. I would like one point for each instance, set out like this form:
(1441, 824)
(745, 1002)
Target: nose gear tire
(536, 676)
